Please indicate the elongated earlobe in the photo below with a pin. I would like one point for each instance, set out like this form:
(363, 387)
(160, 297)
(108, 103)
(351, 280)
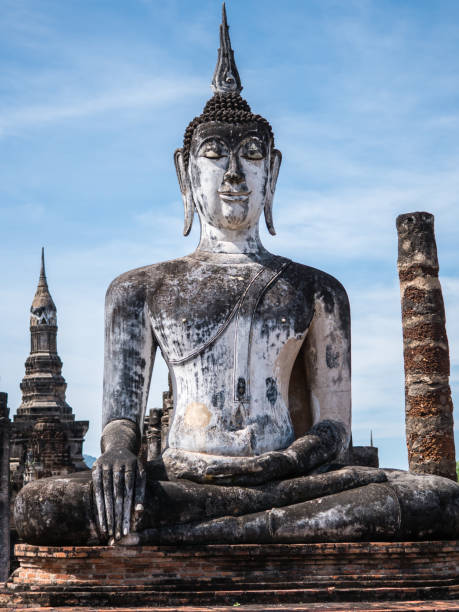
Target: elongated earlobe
(276, 160)
(189, 212)
(185, 190)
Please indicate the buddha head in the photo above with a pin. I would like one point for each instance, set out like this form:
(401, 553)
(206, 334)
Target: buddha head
(228, 166)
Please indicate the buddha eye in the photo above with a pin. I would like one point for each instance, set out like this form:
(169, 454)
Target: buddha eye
(253, 149)
(213, 149)
(212, 154)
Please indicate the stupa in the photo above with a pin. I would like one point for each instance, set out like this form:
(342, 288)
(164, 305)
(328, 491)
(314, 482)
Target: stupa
(46, 440)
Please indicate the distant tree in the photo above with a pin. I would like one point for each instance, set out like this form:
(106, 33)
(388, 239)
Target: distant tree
(89, 460)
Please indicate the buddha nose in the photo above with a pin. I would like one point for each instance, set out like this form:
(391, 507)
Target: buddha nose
(234, 173)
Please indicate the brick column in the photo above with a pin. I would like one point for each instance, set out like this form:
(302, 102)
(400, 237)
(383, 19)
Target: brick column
(428, 403)
(4, 488)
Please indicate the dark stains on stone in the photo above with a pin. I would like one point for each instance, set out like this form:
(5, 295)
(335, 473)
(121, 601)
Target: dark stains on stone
(238, 420)
(328, 300)
(271, 390)
(331, 357)
(132, 377)
(416, 232)
(218, 399)
(241, 387)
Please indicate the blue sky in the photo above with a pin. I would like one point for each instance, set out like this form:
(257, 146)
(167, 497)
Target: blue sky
(363, 96)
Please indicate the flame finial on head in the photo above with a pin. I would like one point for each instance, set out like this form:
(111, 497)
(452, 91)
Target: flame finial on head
(226, 76)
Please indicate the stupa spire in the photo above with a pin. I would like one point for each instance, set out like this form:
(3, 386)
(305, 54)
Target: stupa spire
(43, 309)
(42, 280)
(226, 76)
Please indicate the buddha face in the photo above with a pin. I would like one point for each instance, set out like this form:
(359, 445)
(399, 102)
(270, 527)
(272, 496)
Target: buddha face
(229, 173)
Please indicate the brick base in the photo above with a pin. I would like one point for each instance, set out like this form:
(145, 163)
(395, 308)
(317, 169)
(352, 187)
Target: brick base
(224, 575)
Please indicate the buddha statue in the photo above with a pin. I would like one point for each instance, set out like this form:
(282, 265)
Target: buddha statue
(258, 350)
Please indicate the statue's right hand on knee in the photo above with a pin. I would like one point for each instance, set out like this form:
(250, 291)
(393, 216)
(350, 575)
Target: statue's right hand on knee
(119, 478)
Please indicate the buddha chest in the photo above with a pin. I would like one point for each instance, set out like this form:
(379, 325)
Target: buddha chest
(199, 303)
(230, 335)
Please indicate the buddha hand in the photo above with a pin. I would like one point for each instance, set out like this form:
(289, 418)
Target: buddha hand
(118, 481)
(323, 443)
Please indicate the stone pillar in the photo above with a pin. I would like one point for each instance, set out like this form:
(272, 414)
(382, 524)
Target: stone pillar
(428, 403)
(4, 488)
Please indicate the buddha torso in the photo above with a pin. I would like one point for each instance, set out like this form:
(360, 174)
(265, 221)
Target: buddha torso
(230, 334)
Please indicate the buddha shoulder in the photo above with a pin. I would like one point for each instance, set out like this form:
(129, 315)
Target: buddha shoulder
(141, 284)
(318, 286)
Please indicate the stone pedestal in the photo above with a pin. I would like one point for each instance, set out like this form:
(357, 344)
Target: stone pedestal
(225, 574)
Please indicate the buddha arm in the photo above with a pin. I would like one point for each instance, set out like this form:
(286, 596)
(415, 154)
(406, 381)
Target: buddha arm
(129, 352)
(118, 476)
(327, 357)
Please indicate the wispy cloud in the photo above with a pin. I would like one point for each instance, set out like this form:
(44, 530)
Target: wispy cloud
(152, 94)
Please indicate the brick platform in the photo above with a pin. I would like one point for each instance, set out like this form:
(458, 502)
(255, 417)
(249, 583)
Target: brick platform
(383, 606)
(227, 575)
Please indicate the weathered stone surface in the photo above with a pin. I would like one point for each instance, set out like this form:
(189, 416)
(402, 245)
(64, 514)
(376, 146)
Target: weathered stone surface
(429, 505)
(58, 510)
(428, 403)
(354, 503)
(422, 329)
(67, 503)
(366, 513)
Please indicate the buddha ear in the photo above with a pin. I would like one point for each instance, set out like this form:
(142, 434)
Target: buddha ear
(276, 159)
(185, 189)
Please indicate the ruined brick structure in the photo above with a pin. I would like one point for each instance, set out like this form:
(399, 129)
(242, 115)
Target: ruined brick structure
(428, 403)
(4, 488)
(156, 427)
(45, 438)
